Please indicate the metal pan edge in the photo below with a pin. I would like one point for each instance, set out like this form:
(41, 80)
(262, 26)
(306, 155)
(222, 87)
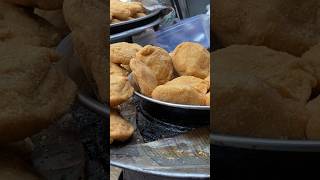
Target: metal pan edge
(182, 106)
(160, 173)
(265, 143)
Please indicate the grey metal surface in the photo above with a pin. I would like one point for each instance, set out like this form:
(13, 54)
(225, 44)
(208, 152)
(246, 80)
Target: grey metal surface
(265, 144)
(184, 156)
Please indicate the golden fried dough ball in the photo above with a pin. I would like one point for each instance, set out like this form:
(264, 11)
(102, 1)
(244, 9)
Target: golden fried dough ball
(284, 25)
(117, 70)
(55, 18)
(182, 90)
(207, 79)
(158, 60)
(311, 62)
(120, 129)
(120, 90)
(191, 59)
(280, 70)
(125, 10)
(199, 84)
(143, 76)
(208, 99)
(313, 127)
(247, 106)
(87, 20)
(23, 27)
(41, 4)
(120, 13)
(123, 52)
(33, 91)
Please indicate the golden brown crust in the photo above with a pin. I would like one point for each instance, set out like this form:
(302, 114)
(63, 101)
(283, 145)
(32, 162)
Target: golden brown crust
(55, 18)
(123, 52)
(265, 90)
(41, 4)
(125, 10)
(158, 60)
(267, 23)
(191, 59)
(143, 76)
(120, 129)
(34, 92)
(117, 70)
(182, 90)
(120, 90)
(23, 27)
(87, 20)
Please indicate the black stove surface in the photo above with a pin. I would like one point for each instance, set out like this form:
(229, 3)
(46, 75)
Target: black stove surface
(244, 163)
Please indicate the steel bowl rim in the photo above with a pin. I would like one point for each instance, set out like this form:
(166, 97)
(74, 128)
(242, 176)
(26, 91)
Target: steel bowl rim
(160, 173)
(182, 106)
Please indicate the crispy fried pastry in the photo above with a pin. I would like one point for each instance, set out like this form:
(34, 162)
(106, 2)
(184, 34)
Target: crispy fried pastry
(120, 90)
(247, 106)
(23, 27)
(208, 99)
(125, 10)
(117, 70)
(158, 60)
(55, 18)
(279, 70)
(207, 79)
(123, 52)
(87, 20)
(311, 62)
(143, 76)
(120, 129)
(182, 90)
(41, 4)
(191, 59)
(33, 91)
(285, 25)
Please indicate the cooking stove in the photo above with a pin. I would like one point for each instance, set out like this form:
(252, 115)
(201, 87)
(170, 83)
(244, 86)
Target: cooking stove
(151, 129)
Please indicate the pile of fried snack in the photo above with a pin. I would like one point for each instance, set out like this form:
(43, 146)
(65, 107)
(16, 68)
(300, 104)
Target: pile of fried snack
(267, 76)
(124, 11)
(34, 90)
(181, 77)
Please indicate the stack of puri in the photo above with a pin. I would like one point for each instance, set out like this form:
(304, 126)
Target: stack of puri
(124, 11)
(267, 75)
(34, 92)
(180, 77)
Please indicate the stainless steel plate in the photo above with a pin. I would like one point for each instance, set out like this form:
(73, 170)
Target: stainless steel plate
(182, 106)
(265, 144)
(124, 23)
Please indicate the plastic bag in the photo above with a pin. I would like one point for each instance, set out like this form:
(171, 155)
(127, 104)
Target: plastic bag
(194, 29)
